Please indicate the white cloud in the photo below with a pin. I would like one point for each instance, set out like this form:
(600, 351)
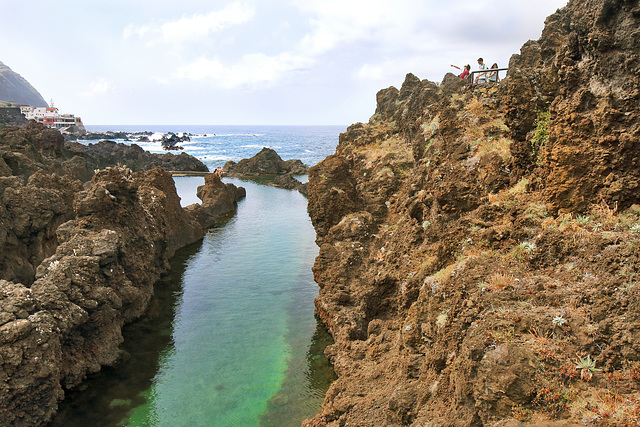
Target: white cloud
(194, 27)
(252, 71)
(161, 80)
(99, 86)
(371, 72)
(132, 30)
(198, 26)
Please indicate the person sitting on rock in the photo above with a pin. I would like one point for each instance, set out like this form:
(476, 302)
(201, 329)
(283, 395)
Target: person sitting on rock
(493, 76)
(481, 77)
(465, 73)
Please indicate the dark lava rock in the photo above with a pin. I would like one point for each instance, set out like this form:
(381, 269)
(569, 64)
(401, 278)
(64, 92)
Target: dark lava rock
(288, 182)
(109, 153)
(171, 140)
(218, 200)
(79, 260)
(266, 162)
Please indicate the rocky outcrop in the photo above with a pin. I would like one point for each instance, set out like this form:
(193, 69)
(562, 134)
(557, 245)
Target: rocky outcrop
(77, 261)
(109, 153)
(68, 322)
(112, 135)
(15, 89)
(218, 200)
(584, 72)
(266, 162)
(288, 182)
(11, 116)
(170, 141)
(479, 256)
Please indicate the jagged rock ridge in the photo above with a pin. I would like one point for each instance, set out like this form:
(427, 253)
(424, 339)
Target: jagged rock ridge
(480, 248)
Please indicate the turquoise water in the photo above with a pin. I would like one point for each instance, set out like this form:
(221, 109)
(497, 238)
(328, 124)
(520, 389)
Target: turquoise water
(230, 339)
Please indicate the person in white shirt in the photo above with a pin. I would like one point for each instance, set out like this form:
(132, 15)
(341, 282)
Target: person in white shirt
(481, 77)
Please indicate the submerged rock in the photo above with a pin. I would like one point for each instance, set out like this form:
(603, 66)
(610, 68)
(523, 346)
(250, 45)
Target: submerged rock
(288, 182)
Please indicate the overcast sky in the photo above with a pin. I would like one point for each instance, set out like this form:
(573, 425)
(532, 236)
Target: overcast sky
(223, 62)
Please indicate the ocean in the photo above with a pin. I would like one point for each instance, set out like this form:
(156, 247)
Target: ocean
(215, 145)
(230, 338)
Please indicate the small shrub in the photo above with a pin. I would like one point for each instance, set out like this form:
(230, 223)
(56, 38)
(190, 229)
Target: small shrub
(523, 250)
(520, 413)
(587, 367)
(582, 220)
(553, 398)
(540, 134)
(499, 281)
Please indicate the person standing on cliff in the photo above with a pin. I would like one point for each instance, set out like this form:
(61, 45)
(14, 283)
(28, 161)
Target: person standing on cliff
(493, 75)
(465, 73)
(481, 77)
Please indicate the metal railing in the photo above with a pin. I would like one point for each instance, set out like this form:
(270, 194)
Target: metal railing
(487, 71)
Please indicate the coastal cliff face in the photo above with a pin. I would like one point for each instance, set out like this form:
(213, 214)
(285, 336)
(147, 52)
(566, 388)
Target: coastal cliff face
(68, 322)
(11, 116)
(480, 247)
(78, 261)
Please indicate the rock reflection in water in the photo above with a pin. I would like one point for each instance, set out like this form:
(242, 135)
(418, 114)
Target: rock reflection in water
(106, 398)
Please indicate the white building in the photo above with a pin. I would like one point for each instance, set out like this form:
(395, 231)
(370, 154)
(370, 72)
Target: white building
(51, 117)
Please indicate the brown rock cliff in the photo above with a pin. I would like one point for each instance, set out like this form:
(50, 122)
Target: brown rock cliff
(78, 261)
(479, 263)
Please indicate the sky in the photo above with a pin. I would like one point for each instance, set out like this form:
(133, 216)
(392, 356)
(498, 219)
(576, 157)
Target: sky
(235, 62)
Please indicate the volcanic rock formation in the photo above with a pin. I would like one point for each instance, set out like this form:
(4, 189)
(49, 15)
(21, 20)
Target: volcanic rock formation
(109, 153)
(218, 199)
(266, 162)
(11, 116)
(480, 246)
(78, 260)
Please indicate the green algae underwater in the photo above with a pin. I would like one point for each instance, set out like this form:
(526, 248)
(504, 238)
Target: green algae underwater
(230, 338)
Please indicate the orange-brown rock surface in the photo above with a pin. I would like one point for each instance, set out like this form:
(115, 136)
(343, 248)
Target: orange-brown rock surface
(78, 261)
(480, 247)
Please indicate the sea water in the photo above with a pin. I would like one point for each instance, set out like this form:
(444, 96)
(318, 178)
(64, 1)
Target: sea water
(215, 145)
(230, 338)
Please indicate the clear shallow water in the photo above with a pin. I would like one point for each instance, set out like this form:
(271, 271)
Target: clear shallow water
(230, 339)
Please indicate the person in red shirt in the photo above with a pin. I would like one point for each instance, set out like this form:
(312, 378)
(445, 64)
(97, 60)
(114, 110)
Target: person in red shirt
(465, 73)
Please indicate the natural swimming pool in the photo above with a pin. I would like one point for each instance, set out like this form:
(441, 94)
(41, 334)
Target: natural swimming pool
(230, 338)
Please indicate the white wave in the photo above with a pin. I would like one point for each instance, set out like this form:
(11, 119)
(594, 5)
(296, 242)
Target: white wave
(157, 136)
(236, 134)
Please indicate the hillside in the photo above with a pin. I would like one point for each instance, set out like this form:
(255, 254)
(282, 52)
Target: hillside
(480, 247)
(15, 89)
